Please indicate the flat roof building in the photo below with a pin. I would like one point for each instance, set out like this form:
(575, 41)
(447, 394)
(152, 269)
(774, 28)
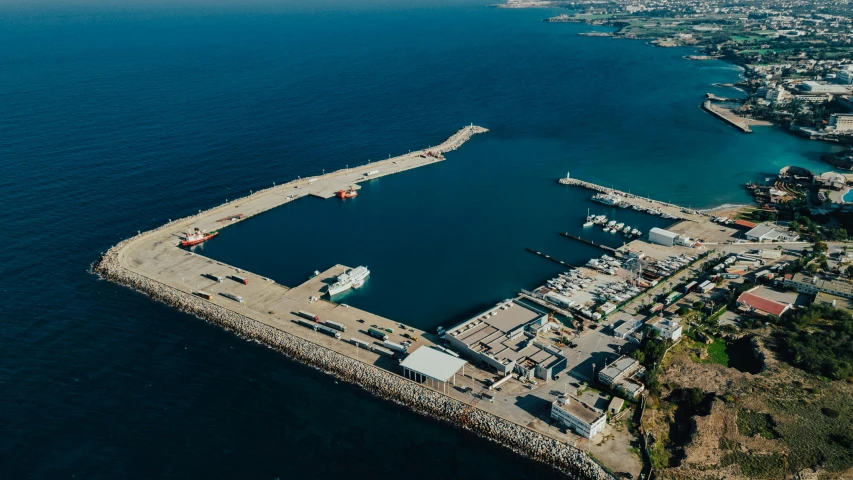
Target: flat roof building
(822, 88)
(427, 365)
(813, 285)
(662, 237)
(767, 232)
(506, 338)
(627, 327)
(667, 329)
(623, 376)
(578, 416)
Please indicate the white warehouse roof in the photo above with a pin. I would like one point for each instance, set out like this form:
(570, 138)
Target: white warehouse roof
(663, 233)
(432, 363)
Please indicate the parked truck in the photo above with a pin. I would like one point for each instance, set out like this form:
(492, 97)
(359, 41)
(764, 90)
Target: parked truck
(328, 331)
(308, 315)
(373, 332)
(213, 277)
(204, 295)
(395, 346)
(383, 351)
(236, 298)
(337, 326)
(243, 280)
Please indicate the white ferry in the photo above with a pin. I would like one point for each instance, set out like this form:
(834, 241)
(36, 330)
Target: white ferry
(351, 279)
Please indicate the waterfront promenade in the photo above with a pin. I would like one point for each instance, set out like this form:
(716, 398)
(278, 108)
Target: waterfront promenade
(152, 263)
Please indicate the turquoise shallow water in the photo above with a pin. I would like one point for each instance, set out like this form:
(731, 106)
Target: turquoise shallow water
(116, 119)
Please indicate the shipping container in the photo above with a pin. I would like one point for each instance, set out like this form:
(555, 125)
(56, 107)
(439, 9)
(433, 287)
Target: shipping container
(204, 295)
(383, 351)
(689, 287)
(308, 315)
(337, 326)
(361, 343)
(656, 308)
(395, 346)
(213, 277)
(244, 281)
(328, 331)
(377, 334)
(236, 298)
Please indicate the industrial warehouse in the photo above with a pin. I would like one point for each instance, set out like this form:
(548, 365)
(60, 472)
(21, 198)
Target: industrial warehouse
(506, 338)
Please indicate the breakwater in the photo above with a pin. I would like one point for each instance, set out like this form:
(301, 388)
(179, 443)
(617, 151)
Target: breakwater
(677, 210)
(738, 122)
(150, 263)
(377, 381)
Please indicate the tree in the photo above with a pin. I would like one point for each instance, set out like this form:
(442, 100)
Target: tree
(820, 247)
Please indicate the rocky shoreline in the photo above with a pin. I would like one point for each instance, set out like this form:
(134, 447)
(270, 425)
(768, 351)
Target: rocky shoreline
(381, 383)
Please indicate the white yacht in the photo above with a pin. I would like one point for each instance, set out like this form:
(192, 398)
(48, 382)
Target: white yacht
(351, 279)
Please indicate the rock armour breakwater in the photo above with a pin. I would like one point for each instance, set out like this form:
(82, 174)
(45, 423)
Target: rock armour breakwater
(118, 265)
(380, 383)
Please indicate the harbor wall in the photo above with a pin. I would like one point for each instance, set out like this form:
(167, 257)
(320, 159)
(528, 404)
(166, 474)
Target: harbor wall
(708, 107)
(381, 383)
(116, 265)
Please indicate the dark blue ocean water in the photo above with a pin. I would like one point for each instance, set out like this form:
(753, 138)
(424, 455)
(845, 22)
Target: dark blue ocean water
(113, 120)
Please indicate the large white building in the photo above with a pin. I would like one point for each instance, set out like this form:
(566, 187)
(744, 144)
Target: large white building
(813, 285)
(578, 416)
(662, 237)
(506, 338)
(845, 75)
(767, 232)
(840, 123)
(816, 88)
(667, 329)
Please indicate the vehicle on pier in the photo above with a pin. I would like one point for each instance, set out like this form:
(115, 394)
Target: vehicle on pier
(196, 236)
(377, 334)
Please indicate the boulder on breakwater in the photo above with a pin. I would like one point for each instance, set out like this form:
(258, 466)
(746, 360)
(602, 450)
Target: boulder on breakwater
(379, 382)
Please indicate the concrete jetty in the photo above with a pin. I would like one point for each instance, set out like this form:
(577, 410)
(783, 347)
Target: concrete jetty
(734, 120)
(152, 263)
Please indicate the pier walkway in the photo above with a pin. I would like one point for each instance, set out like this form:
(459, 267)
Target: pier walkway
(153, 263)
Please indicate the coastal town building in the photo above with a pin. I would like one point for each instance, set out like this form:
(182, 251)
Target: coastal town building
(667, 329)
(430, 366)
(816, 88)
(507, 338)
(623, 375)
(752, 301)
(584, 420)
(813, 284)
(627, 327)
(768, 232)
(845, 75)
(840, 123)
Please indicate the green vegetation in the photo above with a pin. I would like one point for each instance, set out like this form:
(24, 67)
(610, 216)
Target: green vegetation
(717, 353)
(818, 339)
(771, 466)
(753, 423)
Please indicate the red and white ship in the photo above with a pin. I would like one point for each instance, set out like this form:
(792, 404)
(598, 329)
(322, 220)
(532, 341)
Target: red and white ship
(197, 236)
(350, 193)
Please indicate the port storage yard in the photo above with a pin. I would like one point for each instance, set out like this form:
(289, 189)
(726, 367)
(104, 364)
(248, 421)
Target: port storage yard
(267, 312)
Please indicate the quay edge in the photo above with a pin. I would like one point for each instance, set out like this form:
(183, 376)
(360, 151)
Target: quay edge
(379, 382)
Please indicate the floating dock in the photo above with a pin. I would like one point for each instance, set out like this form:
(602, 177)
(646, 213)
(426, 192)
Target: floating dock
(588, 242)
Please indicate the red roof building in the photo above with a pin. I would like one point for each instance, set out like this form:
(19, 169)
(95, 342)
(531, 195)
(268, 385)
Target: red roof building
(744, 224)
(762, 305)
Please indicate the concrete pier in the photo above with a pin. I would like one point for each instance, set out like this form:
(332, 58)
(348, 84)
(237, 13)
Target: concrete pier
(153, 264)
